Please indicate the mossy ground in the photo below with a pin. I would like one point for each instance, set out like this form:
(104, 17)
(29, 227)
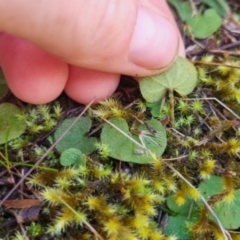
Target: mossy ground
(111, 199)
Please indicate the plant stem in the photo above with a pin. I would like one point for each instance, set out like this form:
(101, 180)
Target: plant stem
(171, 100)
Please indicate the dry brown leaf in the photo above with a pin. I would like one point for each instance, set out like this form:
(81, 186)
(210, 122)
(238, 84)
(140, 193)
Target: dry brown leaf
(23, 203)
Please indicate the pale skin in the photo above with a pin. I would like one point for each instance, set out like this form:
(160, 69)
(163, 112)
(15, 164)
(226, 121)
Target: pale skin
(81, 47)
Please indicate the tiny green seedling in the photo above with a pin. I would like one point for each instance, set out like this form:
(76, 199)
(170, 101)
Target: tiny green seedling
(72, 156)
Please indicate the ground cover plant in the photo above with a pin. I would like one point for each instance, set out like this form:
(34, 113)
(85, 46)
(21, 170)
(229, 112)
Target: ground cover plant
(155, 162)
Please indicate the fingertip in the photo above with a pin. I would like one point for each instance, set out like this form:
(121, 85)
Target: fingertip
(155, 41)
(84, 85)
(33, 75)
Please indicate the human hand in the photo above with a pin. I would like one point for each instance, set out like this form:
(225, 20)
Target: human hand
(82, 47)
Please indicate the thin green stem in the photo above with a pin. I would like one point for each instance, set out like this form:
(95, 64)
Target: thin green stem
(172, 101)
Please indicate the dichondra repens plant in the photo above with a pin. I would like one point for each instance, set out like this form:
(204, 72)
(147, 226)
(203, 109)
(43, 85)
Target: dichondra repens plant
(145, 162)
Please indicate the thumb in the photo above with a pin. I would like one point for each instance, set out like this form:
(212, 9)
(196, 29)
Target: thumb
(128, 37)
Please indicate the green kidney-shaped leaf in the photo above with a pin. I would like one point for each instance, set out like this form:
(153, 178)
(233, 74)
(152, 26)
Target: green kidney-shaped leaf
(183, 8)
(181, 77)
(178, 222)
(205, 25)
(221, 6)
(229, 212)
(211, 186)
(72, 156)
(76, 136)
(10, 126)
(124, 149)
(154, 108)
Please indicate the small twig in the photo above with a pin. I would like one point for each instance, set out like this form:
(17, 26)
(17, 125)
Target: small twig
(235, 54)
(215, 111)
(215, 64)
(220, 50)
(230, 45)
(174, 159)
(95, 130)
(176, 131)
(214, 51)
(203, 121)
(131, 104)
(125, 134)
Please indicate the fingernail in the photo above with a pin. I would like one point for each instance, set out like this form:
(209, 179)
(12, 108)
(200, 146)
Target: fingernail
(154, 42)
